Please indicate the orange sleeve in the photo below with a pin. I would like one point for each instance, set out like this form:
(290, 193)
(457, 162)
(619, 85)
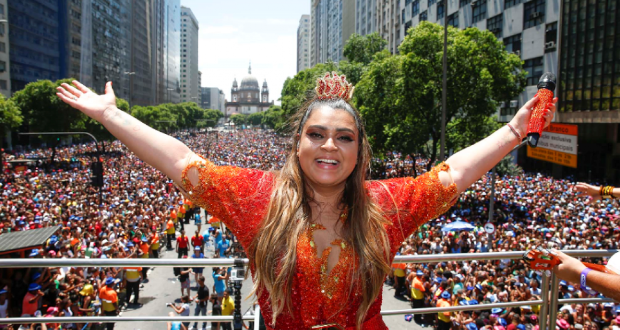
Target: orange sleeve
(237, 196)
(410, 202)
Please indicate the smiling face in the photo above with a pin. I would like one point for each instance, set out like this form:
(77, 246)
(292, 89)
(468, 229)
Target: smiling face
(328, 147)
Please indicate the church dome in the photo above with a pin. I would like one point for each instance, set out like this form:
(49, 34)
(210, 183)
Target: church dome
(249, 83)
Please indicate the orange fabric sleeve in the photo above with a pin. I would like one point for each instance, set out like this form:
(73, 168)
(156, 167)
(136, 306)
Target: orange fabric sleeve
(410, 202)
(237, 196)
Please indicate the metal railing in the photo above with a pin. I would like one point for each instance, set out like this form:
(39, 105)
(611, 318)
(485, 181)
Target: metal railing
(548, 306)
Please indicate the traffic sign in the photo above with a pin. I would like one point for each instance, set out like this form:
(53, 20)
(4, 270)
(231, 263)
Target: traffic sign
(489, 228)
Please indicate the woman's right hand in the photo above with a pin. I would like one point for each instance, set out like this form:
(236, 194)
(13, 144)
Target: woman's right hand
(87, 101)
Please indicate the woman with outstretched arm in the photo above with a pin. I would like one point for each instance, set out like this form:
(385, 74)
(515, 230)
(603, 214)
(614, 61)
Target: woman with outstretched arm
(319, 236)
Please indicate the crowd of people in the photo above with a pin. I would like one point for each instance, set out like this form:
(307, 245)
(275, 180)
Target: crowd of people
(142, 212)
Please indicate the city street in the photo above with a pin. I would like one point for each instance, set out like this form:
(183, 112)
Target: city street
(163, 287)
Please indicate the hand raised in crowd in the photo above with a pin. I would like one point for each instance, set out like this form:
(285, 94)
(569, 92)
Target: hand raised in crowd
(588, 189)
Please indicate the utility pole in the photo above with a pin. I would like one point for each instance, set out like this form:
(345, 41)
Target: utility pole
(444, 91)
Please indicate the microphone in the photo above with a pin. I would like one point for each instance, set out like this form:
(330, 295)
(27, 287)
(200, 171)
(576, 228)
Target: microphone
(546, 86)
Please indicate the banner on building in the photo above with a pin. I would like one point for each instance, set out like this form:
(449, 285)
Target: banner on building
(557, 144)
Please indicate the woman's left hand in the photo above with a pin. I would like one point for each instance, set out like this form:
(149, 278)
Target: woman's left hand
(522, 118)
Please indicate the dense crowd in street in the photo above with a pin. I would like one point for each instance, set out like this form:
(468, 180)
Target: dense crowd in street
(142, 212)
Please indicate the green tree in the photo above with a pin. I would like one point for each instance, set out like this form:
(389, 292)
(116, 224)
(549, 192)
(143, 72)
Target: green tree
(463, 132)
(43, 111)
(297, 90)
(255, 118)
(211, 116)
(239, 119)
(274, 118)
(157, 117)
(400, 95)
(10, 115)
(507, 166)
(362, 49)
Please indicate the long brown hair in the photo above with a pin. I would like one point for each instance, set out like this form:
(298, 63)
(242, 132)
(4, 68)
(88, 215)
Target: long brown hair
(274, 250)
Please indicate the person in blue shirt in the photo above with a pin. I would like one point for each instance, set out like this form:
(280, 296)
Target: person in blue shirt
(175, 325)
(220, 275)
(197, 270)
(223, 246)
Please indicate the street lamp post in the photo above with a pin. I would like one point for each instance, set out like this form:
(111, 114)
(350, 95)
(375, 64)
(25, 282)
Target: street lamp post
(130, 87)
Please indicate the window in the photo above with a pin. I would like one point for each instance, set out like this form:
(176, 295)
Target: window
(508, 110)
(511, 3)
(513, 44)
(464, 2)
(431, 2)
(2, 66)
(495, 25)
(533, 13)
(534, 68)
(2, 13)
(3, 85)
(2, 47)
(407, 2)
(402, 15)
(479, 11)
(423, 16)
(407, 26)
(440, 10)
(415, 8)
(454, 20)
(551, 37)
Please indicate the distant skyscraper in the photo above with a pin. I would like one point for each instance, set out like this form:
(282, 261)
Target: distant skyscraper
(303, 43)
(34, 42)
(142, 67)
(389, 21)
(199, 80)
(5, 70)
(210, 98)
(172, 49)
(190, 84)
(365, 17)
(331, 24)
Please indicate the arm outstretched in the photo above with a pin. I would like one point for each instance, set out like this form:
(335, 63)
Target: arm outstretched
(468, 165)
(159, 150)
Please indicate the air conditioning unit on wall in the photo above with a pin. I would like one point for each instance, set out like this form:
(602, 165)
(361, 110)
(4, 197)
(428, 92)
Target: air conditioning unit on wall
(550, 44)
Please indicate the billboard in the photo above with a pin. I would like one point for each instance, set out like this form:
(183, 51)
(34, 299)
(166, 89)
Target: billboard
(557, 144)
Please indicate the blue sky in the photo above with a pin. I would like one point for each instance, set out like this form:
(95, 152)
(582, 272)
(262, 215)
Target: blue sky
(234, 32)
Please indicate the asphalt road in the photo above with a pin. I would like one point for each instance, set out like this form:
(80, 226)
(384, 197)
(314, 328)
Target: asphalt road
(163, 287)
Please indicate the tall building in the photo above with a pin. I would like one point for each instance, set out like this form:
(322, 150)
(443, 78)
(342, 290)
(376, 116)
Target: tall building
(105, 50)
(248, 97)
(389, 22)
(331, 24)
(141, 67)
(71, 39)
(190, 84)
(5, 69)
(210, 98)
(303, 43)
(199, 79)
(172, 47)
(34, 42)
(365, 17)
(589, 85)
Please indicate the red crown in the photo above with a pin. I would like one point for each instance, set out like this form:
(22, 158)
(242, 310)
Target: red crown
(335, 87)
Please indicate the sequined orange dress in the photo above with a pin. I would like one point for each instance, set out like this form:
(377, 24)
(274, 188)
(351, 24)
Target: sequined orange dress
(239, 197)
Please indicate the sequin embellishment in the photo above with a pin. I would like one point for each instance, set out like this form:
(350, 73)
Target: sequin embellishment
(240, 197)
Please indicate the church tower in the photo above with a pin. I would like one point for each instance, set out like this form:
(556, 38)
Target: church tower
(234, 91)
(265, 93)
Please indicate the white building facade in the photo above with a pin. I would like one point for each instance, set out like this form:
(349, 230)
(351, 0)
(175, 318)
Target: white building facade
(190, 82)
(303, 43)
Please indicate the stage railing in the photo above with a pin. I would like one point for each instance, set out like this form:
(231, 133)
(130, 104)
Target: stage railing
(548, 303)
